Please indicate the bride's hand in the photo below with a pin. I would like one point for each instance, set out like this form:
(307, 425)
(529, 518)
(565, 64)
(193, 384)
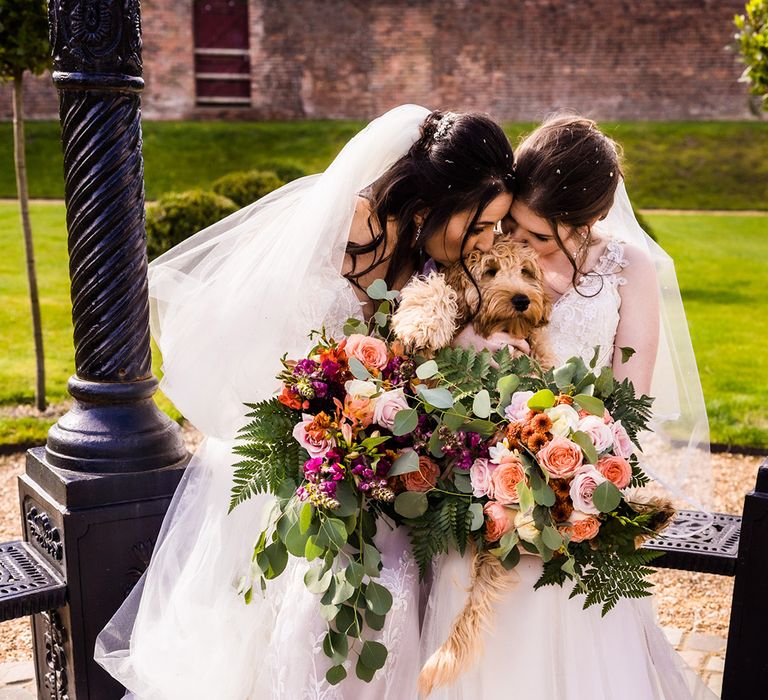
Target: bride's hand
(470, 338)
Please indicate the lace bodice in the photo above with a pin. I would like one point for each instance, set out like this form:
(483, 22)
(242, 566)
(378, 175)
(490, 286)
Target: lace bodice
(578, 323)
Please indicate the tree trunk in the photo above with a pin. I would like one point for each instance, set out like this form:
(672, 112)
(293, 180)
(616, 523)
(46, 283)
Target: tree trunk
(21, 187)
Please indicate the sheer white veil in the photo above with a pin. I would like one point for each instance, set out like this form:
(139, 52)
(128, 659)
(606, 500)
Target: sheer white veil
(677, 453)
(225, 305)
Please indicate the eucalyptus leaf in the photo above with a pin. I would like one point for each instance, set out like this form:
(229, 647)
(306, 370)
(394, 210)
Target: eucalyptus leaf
(371, 442)
(585, 443)
(371, 560)
(483, 427)
(363, 672)
(526, 498)
(406, 421)
(544, 495)
(551, 538)
(335, 531)
(604, 383)
(478, 518)
(564, 375)
(335, 674)
(512, 559)
(312, 550)
(345, 495)
(427, 369)
(336, 647)
(378, 598)
(595, 357)
(568, 566)
(305, 519)
(344, 589)
(481, 405)
(358, 369)
(408, 461)
(380, 319)
(626, 354)
(354, 573)
(462, 482)
(411, 504)
(606, 497)
(317, 579)
(435, 445)
(542, 400)
(377, 289)
(590, 404)
(373, 655)
(439, 397)
(374, 621)
(277, 554)
(506, 387)
(456, 417)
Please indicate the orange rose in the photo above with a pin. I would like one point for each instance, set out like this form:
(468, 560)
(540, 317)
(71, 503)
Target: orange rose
(561, 457)
(585, 528)
(505, 479)
(615, 469)
(424, 479)
(372, 352)
(498, 520)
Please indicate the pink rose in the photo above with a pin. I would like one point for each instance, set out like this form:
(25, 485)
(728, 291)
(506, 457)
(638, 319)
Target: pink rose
(315, 443)
(583, 488)
(372, 352)
(505, 479)
(581, 527)
(387, 406)
(480, 475)
(607, 417)
(622, 445)
(518, 408)
(615, 469)
(561, 457)
(599, 433)
(498, 520)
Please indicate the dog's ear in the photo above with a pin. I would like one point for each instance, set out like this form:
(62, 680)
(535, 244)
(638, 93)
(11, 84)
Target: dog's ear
(457, 278)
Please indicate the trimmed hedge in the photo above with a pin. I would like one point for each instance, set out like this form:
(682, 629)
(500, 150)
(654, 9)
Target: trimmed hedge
(246, 187)
(287, 171)
(176, 216)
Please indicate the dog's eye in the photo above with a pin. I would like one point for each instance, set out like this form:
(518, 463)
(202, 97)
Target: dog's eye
(528, 272)
(490, 273)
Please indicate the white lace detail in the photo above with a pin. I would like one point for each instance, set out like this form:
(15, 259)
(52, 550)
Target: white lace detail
(596, 314)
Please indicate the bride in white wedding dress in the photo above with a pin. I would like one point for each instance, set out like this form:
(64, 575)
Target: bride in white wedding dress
(226, 305)
(603, 283)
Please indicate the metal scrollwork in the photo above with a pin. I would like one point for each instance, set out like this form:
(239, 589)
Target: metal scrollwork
(55, 680)
(143, 551)
(45, 533)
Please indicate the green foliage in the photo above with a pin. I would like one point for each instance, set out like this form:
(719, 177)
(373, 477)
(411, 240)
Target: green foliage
(633, 412)
(286, 170)
(752, 40)
(176, 216)
(23, 38)
(271, 454)
(243, 188)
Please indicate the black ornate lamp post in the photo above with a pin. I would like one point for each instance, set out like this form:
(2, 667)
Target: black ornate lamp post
(94, 497)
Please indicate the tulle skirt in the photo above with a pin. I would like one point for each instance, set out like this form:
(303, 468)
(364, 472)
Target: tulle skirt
(543, 645)
(184, 632)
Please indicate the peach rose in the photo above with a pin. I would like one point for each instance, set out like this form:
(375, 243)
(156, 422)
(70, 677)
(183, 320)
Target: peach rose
(561, 457)
(615, 469)
(372, 352)
(582, 527)
(505, 479)
(498, 520)
(359, 409)
(424, 479)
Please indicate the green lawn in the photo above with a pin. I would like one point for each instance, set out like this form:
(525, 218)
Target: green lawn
(678, 165)
(720, 262)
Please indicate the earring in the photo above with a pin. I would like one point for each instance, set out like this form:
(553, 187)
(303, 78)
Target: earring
(418, 234)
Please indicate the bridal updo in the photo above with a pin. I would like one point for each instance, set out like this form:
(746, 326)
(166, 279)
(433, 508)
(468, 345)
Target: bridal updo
(461, 162)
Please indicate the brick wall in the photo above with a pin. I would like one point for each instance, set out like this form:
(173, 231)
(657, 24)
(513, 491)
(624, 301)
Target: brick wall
(518, 59)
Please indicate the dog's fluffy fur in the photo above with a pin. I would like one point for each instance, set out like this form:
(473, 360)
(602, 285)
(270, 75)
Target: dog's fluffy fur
(433, 309)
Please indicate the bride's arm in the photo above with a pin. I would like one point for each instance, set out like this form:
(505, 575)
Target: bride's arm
(638, 320)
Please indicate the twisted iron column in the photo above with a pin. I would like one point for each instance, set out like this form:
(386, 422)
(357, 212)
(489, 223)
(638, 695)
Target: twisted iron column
(114, 425)
(93, 499)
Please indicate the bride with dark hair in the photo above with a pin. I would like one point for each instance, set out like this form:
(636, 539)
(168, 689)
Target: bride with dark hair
(225, 305)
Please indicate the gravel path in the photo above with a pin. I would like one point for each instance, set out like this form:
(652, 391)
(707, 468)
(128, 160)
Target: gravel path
(690, 602)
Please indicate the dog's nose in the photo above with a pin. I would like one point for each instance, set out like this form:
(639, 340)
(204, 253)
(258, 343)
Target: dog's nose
(520, 302)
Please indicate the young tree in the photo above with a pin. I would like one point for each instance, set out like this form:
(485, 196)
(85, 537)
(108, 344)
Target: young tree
(752, 38)
(24, 46)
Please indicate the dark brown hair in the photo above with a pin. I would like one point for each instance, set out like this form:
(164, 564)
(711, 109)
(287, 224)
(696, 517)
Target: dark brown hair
(567, 172)
(461, 162)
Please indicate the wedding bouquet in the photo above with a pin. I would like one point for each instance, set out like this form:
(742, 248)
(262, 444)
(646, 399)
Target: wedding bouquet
(465, 449)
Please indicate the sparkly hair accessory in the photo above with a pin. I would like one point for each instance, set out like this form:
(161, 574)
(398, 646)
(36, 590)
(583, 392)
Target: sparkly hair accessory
(444, 125)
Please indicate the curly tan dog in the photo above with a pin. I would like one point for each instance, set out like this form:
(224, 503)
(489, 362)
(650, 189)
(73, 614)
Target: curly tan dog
(507, 295)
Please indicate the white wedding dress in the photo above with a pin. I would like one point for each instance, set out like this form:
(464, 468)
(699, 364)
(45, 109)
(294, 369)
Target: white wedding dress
(543, 645)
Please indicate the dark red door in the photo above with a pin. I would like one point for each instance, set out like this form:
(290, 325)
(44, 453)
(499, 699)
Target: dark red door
(222, 62)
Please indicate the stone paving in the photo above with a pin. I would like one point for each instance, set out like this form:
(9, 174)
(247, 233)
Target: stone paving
(704, 652)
